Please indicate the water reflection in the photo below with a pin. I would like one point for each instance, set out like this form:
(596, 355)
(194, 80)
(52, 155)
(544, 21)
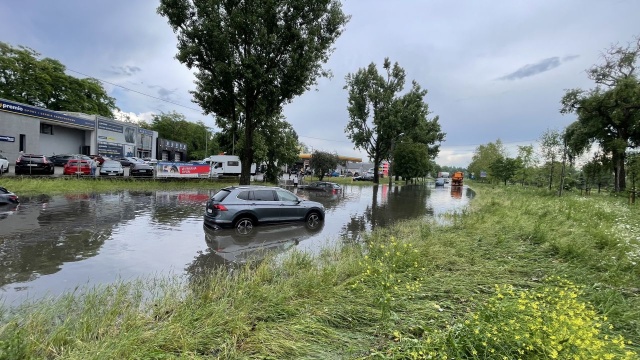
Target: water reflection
(53, 244)
(230, 247)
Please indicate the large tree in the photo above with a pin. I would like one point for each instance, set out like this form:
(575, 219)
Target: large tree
(411, 160)
(253, 57)
(380, 117)
(608, 114)
(323, 162)
(484, 156)
(29, 79)
(551, 149)
(526, 158)
(504, 168)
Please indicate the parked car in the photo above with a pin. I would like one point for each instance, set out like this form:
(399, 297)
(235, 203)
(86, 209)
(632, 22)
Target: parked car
(77, 167)
(34, 164)
(111, 168)
(244, 207)
(364, 177)
(322, 186)
(4, 164)
(7, 197)
(150, 161)
(440, 182)
(125, 161)
(60, 159)
(140, 169)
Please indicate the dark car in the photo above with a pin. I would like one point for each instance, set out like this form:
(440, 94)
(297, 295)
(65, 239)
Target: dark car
(246, 206)
(128, 161)
(7, 197)
(60, 159)
(140, 169)
(34, 164)
(322, 186)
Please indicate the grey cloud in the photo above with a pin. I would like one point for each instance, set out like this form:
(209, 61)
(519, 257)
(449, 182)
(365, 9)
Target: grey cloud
(533, 69)
(124, 70)
(164, 93)
(570, 57)
(538, 68)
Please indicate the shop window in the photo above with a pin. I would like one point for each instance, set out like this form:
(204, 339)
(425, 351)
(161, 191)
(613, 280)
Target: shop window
(46, 129)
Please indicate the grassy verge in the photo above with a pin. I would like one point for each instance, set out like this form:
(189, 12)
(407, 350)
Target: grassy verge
(51, 186)
(522, 274)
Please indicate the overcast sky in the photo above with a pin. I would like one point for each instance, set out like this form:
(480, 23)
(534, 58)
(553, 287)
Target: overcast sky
(494, 69)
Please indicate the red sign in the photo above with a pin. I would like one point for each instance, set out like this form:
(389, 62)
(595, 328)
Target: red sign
(194, 169)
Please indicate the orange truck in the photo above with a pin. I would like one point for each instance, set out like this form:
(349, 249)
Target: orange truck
(456, 179)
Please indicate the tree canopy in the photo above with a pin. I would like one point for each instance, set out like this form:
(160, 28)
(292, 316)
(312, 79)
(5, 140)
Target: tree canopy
(252, 57)
(411, 160)
(380, 118)
(29, 79)
(175, 126)
(504, 168)
(323, 162)
(608, 114)
(484, 156)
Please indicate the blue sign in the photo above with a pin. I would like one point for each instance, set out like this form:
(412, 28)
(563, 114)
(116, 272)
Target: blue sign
(104, 125)
(145, 131)
(22, 109)
(7, 138)
(110, 150)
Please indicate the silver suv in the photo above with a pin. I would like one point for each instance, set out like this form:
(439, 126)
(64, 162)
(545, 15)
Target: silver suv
(243, 207)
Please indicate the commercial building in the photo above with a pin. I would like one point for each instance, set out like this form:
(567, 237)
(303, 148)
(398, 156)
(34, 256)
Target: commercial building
(35, 130)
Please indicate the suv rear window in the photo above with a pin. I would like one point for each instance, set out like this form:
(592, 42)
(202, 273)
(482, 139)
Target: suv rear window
(32, 158)
(221, 195)
(264, 195)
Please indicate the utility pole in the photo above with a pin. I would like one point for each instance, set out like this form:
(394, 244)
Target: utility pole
(564, 158)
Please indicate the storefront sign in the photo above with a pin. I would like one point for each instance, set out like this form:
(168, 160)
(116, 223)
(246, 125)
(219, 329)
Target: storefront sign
(104, 125)
(7, 138)
(41, 113)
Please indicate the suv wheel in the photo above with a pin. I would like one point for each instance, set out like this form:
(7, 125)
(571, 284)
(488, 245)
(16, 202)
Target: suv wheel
(244, 225)
(313, 220)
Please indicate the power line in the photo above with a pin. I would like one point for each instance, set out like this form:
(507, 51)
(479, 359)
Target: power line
(135, 91)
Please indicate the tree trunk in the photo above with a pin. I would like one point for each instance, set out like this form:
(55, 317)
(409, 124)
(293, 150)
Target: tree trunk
(551, 175)
(619, 182)
(564, 159)
(247, 152)
(376, 164)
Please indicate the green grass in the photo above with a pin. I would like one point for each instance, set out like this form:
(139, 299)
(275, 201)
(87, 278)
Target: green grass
(410, 291)
(51, 186)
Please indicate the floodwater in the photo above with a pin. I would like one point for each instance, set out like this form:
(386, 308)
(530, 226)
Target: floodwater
(52, 245)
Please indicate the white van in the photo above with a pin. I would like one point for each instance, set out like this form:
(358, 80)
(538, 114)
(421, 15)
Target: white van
(227, 165)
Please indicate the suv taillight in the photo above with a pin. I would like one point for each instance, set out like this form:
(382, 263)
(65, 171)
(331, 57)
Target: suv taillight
(44, 160)
(19, 159)
(219, 207)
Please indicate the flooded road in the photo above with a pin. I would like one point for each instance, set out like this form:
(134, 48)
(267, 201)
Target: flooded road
(52, 245)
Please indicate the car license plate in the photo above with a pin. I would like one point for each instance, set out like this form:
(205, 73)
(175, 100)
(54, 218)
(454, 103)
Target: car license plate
(32, 164)
(112, 174)
(143, 170)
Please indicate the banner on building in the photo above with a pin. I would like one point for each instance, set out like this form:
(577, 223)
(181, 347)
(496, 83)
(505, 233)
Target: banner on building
(182, 170)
